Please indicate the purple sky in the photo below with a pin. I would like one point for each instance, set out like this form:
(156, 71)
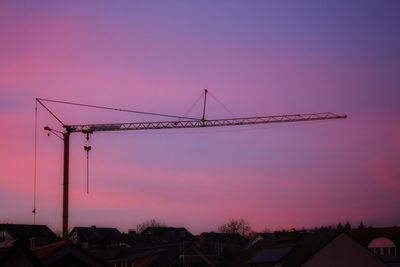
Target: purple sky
(258, 58)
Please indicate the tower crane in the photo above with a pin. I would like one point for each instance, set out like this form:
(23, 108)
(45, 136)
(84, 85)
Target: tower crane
(183, 122)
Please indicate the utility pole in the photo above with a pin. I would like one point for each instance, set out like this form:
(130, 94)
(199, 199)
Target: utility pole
(66, 136)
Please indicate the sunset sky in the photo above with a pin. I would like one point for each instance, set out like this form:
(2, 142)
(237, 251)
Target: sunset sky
(257, 58)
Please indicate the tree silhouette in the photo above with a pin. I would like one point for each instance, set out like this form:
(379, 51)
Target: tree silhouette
(149, 223)
(240, 226)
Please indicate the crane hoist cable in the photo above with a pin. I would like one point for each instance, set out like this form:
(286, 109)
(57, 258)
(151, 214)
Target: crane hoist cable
(87, 149)
(35, 167)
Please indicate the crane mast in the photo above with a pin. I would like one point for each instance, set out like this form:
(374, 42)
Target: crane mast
(176, 124)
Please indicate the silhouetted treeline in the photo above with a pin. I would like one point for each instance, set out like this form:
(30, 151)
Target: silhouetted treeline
(326, 228)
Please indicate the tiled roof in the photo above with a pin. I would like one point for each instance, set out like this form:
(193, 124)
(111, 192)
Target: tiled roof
(224, 237)
(63, 251)
(45, 251)
(245, 255)
(170, 234)
(364, 236)
(273, 254)
(27, 231)
(18, 250)
(164, 230)
(97, 234)
(307, 247)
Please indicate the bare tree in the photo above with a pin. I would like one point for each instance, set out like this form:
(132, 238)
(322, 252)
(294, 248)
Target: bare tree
(240, 226)
(149, 223)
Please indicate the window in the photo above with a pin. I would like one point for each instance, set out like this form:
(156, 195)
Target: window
(383, 247)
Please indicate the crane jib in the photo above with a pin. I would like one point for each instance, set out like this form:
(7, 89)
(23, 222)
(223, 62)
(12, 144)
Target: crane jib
(90, 128)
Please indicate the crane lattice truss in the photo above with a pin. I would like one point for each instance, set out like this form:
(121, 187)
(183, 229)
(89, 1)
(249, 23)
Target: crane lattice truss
(183, 122)
(90, 128)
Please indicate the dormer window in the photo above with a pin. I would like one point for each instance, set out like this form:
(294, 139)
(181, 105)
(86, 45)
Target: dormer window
(383, 247)
(5, 236)
(2, 236)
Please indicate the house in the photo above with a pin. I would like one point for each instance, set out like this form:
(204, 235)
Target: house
(174, 255)
(66, 254)
(384, 242)
(92, 237)
(34, 235)
(220, 243)
(140, 241)
(278, 237)
(169, 234)
(319, 249)
(222, 246)
(155, 247)
(19, 255)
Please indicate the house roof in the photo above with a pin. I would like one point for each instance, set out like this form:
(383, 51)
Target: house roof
(267, 235)
(284, 236)
(158, 256)
(18, 249)
(312, 244)
(170, 256)
(307, 247)
(97, 234)
(365, 236)
(246, 254)
(170, 234)
(65, 251)
(142, 241)
(130, 254)
(7, 244)
(27, 231)
(270, 252)
(160, 229)
(224, 238)
(45, 251)
(273, 254)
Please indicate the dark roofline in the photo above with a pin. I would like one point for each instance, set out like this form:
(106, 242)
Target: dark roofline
(348, 233)
(6, 226)
(23, 224)
(327, 243)
(61, 245)
(216, 235)
(22, 228)
(19, 244)
(219, 233)
(324, 244)
(368, 234)
(165, 228)
(92, 228)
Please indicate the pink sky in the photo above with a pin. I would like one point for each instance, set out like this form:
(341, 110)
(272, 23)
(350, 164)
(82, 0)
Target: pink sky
(258, 58)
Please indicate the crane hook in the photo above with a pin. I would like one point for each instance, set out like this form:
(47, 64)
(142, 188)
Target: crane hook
(87, 149)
